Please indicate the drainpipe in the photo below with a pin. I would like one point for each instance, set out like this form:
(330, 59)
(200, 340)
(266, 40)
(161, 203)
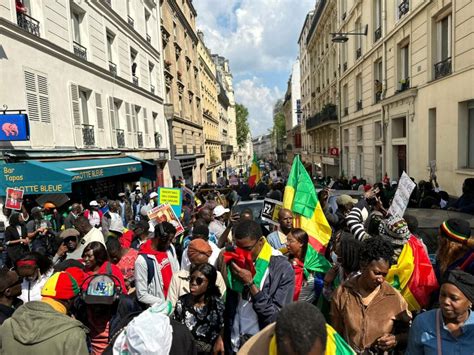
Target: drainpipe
(384, 92)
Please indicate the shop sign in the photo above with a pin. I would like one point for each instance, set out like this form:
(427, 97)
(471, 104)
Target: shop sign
(334, 151)
(14, 127)
(328, 161)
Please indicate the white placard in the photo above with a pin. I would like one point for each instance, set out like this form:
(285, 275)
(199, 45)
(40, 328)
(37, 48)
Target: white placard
(402, 196)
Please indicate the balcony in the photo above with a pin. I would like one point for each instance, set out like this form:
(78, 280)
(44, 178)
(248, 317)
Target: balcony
(140, 139)
(28, 23)
(358, 53)
(130, 21)
(152, 89)
(135, 80)
(79, 50)
(403, 8)
(327, 114)
(157, 140)
(148, 38)
(377, 34)
(404, 84)
(359, 105)
(443, 68)
(88, 135)
(113, 68)
(120, 138)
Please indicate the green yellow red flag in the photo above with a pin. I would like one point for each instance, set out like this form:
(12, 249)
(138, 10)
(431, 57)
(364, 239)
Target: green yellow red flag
(254, 177)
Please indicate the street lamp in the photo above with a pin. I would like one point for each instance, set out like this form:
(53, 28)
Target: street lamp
(342, 37)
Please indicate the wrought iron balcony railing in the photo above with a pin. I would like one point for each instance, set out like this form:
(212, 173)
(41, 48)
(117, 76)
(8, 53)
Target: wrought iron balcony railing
(88, 135)
(79, 50)
(28, 23)
(358, 53)
(443, 68)
(120, 138)
(359, 105)
(113, 68)
(404, 84)
(130, 21)
(157, 140)
(152, 89)
(135, 80)
(377, 34)
(140, 139)
(148, 38)
(403, 8)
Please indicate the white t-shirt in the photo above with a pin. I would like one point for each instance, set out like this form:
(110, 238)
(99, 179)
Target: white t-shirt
(94, 235)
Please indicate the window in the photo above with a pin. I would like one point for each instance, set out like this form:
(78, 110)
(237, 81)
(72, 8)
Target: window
(110, 46)
(377, 20)
(83, 99)
(344, 57)
(343, 9)
(99, 111)
(360, 162)
(147, 25)
(116, 110)
(404, 68)
(346, 136)
(175, 31)
(360, 133)
(431, 134)
(359, 92)
(358, 40)
(133, 60)
(378, 162)
(78, 37)
(399, 127)
(378, 86)
(443, 49)
(345, 99)
(37, 96)
(151, 72)
(76, 26)
(470, 135)
(378, 131)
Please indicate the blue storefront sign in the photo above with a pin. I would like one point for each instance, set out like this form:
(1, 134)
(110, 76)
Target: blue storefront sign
(14, 127)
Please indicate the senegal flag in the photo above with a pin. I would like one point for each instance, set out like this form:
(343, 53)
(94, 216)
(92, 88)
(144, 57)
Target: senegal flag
(413, 275)
(254, 177)
(301, 198)
(335, 344)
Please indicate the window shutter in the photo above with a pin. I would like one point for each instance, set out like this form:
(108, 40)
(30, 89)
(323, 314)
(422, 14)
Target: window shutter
(31, 96)
(43, 99)
(145, 120)
(111, 113)
(98, 105)
(134, 119)
(76, 112)
(127, 115)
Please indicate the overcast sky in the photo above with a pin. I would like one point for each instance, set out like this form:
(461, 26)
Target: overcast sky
(259, 37)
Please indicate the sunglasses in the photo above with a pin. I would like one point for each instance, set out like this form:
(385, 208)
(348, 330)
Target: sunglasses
(197, 280)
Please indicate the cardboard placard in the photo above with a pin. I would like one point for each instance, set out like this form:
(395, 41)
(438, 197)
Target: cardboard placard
(165, 213)
(402, 196)
(270, 211)
(171, 196)
(14, 199)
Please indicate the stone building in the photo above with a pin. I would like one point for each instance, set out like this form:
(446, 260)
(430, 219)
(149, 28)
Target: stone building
(182, 87)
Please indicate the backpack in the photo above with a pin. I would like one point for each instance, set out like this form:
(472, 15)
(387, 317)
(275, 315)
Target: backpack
(102, 288)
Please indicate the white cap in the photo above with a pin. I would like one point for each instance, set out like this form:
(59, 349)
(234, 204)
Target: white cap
(153, 194)
(220, 210)
(93, 203)
(394, 183)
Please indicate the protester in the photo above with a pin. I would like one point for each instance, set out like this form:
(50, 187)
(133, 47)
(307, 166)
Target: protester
(93, 214)
(87, 234)
(140, 234)
(260, 281)
(124, 259)
(365, 308)
(277, 239)
(43, 327)
(70, 239)
(217, 225)
(450, 329)
(307, 267)
(10, 289)
(200, 231)
(125, 209)
(35, 269)
(199, 252)
(202, 309)
(76, 210)
(465, 203)
(16, 238)
(453, 251)
(156, 265)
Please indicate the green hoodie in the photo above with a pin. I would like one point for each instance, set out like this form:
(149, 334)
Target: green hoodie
(36, 328)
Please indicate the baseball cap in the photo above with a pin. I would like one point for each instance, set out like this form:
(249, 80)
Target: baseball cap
(93, 203)
(394, 183)
(220, 210)
(60, 286)
(153, 194)
(344, 200)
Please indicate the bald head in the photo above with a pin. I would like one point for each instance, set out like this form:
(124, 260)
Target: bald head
(285, 218)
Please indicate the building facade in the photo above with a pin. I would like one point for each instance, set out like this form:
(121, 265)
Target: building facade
(90, 77)
(263, 147)
(393, 89)
(182, 87)
(322, 127)
(210, 107)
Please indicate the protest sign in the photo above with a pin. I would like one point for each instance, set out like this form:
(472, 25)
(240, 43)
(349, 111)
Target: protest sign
(165, 213)
(171, 196)
(274, 175)
(270, 211)
(402, 196)
(14, 199)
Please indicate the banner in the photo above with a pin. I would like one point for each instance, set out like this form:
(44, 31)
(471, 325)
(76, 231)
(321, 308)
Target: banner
(270, 211)
(14, 199)
(402, 196)
(171, 196)
(165, 213)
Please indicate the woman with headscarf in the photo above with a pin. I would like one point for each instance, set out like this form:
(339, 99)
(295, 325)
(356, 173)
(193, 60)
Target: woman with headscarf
(449, 329)
(308, 266)
(455, 247)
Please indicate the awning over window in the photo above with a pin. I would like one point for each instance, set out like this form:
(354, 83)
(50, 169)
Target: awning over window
(36, 177)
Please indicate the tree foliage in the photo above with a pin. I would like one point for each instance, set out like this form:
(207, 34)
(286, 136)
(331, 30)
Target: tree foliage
(279, 124)
(242, 124)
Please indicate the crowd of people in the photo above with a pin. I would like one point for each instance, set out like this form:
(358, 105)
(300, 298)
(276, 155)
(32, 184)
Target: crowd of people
(101, 278)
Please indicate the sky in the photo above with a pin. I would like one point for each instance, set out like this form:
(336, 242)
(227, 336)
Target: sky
(259, 37)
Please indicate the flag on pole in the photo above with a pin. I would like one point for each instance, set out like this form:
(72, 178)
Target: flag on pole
(300, 197)
(254, 177)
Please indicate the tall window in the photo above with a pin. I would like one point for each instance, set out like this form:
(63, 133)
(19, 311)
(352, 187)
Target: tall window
(378, 80)
(404, 68)
(343, 9)
(84, 98)
(360, 162)
(147, 26)
(443, 49)
(345, 99)
(110, 46)
(358, 39)
(359, 92)
(151, 72)
(377, 20)
(76, 26)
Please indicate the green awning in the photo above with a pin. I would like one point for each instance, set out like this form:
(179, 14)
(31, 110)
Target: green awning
(35, 177)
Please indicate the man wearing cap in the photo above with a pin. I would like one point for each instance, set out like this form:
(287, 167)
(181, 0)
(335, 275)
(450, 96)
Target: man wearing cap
(217, 226)
(37, 226)
(69, 240)
(125, 209)
(87, 234)
(10, 289)
(153, 200)
(277, 239)
(43, 327)
(93, 214)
